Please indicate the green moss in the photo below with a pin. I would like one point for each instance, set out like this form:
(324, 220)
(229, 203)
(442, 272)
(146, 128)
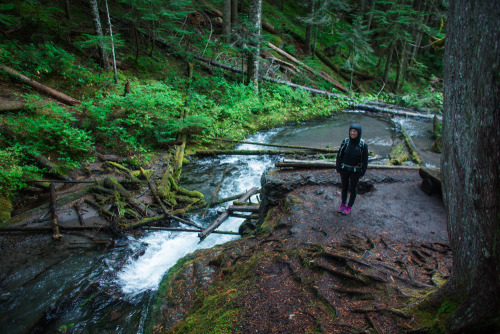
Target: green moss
(267, 226)
(398, 154)
(5, 208)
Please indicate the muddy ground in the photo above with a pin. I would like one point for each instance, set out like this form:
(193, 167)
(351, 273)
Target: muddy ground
(310, 269)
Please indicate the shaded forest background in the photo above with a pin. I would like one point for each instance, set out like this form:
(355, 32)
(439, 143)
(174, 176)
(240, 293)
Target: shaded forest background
(146, 73)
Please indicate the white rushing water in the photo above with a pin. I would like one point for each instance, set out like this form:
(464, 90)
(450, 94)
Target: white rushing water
(165, 248)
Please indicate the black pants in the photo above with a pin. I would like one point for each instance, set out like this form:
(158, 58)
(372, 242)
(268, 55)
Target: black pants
(349, 182)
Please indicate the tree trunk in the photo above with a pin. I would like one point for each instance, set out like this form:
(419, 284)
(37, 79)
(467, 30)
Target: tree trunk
(67, 10)
(234, 11)
(388, 63)
(226, 19)
(309, 29)
(370, 17)
(471, 177)
(401, 68)
(98, 31)
(112, 43)
(253, 54)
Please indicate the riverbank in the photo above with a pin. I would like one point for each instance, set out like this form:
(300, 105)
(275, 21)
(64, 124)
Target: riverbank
(309, 269)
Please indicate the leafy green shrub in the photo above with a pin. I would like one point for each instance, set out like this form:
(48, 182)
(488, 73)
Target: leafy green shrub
(42, 61)
(51, 133)
(13, 172)
(147, 116)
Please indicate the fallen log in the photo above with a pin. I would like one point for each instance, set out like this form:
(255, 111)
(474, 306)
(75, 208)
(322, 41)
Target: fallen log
(152, 188)
(52, 168)
(373, 108)
(431, 179)
(243, 208)
(11, 106)
(56, 235)
(238, 215)
(318, 149)
(158, 228)
(112, 184)
(415, 154)
(202, 235)
(282, 82)
(211, 153)
(331, 165)
(41, 88)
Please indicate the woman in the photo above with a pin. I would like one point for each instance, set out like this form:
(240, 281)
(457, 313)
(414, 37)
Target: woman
(352, 161)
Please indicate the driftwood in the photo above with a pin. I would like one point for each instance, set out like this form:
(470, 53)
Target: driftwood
(431, 179)
(317, 149)
(56, 235)
(41, 88)
(202, 235)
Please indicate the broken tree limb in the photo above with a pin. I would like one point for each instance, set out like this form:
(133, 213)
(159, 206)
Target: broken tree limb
(41, 88)
(56, 235)
(202, 235)
(317, 149)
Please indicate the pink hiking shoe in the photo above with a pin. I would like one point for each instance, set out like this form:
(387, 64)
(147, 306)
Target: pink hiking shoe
(342, 208)
(347, 210)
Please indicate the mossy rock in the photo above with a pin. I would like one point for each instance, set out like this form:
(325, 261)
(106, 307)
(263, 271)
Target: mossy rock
(5, 209)
(399, 154)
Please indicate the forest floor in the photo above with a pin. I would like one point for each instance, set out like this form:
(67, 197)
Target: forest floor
(317, 271)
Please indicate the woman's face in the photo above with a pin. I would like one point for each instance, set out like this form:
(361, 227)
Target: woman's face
(353, 133)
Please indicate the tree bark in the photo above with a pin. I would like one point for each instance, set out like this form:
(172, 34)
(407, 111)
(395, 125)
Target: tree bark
(112, 43)
(226, 20)
(253, 54)
(388, 63)
(309, 29)
(98, 31)
(234, 11)
(471, 177)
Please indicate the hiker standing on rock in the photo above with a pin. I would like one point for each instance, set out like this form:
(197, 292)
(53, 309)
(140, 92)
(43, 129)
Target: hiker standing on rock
(352, 161)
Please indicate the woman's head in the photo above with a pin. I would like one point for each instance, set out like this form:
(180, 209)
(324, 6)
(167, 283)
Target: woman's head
(355, 131)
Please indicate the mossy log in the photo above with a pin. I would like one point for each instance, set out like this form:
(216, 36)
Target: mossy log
(113, 184)
(5, 208)
(47, 164)
(211, 153)
(56, 235)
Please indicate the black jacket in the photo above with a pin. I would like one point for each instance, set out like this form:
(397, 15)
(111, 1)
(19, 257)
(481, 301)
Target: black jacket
(352, 153)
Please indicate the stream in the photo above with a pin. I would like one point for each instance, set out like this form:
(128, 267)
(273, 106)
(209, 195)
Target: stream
(88, 288)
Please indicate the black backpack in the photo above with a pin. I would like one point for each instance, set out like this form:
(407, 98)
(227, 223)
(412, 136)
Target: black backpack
(345, 143)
